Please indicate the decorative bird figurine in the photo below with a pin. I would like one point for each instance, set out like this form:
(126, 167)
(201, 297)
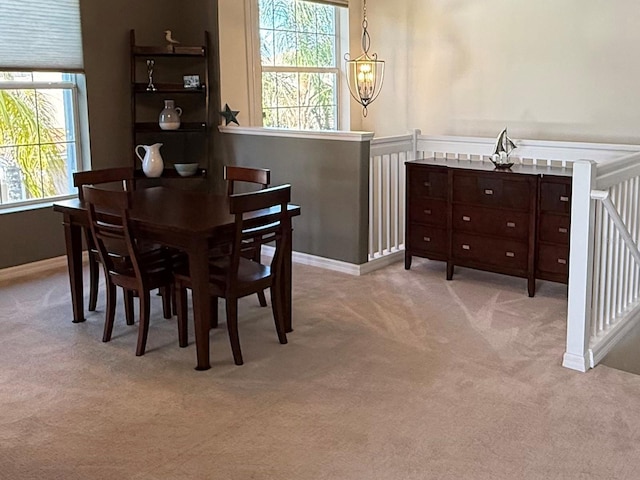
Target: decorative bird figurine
(170, 39)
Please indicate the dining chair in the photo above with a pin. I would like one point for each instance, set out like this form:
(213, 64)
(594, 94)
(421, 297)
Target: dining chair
(125, 264)
(119, 175)
(254, 176)
(234, 276)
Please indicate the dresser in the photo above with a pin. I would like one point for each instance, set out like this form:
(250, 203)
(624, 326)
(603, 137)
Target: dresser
(467, 213)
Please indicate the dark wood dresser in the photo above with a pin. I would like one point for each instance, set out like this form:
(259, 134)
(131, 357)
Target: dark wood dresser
(468, 213)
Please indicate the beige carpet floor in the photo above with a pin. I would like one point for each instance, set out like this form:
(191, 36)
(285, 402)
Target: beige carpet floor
(392, 375)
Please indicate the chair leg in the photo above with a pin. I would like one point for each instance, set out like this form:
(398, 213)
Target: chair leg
(214, 312)
(128, 307)
(174, 307)
(232, 326)
(278, 317)
(166, 302)
(143, 328)
(111, 311)
(94, 270)
(257, 257)
(180, 294)
(262, 299)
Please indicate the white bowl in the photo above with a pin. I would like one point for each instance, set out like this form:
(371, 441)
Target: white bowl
(186, 169)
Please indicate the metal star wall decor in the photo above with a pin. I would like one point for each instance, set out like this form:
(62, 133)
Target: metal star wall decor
(229, 115)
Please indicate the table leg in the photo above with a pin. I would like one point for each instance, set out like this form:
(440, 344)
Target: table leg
(286, 278)
(199, 272)
(73, 244)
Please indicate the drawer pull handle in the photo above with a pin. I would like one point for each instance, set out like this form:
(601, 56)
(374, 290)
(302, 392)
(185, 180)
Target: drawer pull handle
(466, 219)
(427, 211)
(427, 184)
(466, 247)
(562, 261)
(488, 191)
(562, 230)
(511, 224)
(564, 198)
(510, 254)
(426, 239)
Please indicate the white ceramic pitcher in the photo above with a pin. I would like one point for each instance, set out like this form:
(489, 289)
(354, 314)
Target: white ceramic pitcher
(152, 163)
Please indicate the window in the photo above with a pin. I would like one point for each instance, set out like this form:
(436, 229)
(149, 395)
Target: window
(299, 55)
(38, 137)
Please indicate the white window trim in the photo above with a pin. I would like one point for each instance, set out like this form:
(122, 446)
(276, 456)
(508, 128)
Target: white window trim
(77, 133)
(254, 64)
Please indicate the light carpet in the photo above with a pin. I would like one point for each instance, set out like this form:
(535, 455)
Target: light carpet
(393, 375)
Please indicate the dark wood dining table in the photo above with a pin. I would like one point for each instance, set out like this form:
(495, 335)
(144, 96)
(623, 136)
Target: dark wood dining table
(188, 220)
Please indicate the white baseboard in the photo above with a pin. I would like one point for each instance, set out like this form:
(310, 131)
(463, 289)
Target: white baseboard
(381, 262)
(575, 362)
(44, 266)
(11, 274)
(339, 266)
(618, 332)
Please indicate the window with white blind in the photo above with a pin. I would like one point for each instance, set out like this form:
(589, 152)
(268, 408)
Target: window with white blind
(40, 65)
(300, 59)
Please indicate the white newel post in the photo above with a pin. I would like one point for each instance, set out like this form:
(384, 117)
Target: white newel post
(577, 356)
(415, 137)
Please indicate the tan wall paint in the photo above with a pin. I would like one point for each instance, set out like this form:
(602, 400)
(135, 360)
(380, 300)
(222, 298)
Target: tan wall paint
(234, 77)
(563, 70)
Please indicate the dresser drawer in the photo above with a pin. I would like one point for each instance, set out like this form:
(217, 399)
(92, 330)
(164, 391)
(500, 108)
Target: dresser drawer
(428, 239)
(553, 259)
(490, 251)
(555, 197)
(504, 223)
(514, 192)
(427, 182)
(554, 228)
(429, 211)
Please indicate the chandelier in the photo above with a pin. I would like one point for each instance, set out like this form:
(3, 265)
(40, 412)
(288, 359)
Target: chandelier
(365, 73)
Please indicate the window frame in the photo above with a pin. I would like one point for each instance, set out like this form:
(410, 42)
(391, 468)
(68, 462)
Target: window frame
(73, 88)
(256, 68)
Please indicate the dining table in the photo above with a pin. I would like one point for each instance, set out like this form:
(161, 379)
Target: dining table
(188, 220)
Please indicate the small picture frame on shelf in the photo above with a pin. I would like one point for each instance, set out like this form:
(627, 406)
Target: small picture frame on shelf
(191, 81)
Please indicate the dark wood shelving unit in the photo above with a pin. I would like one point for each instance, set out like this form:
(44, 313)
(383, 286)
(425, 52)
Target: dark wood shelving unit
(189, 143)
(162, 88)
(148, 127)
(169, 172)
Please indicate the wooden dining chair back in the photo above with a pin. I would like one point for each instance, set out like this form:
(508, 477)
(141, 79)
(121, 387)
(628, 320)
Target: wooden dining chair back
(235, 276)
(250, 175)
(123, 262)
(255, 176)
(120, 176)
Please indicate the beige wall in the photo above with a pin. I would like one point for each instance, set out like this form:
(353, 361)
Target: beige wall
(234, 76)
(565, 70)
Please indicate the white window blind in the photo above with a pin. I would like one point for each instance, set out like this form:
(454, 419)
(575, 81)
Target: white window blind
(40, 35)
(335, 3)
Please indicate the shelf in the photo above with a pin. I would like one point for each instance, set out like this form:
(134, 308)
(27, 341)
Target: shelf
(168, 51)
(172, 173)
(171, 63)
(168, 88)
(185, 127)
